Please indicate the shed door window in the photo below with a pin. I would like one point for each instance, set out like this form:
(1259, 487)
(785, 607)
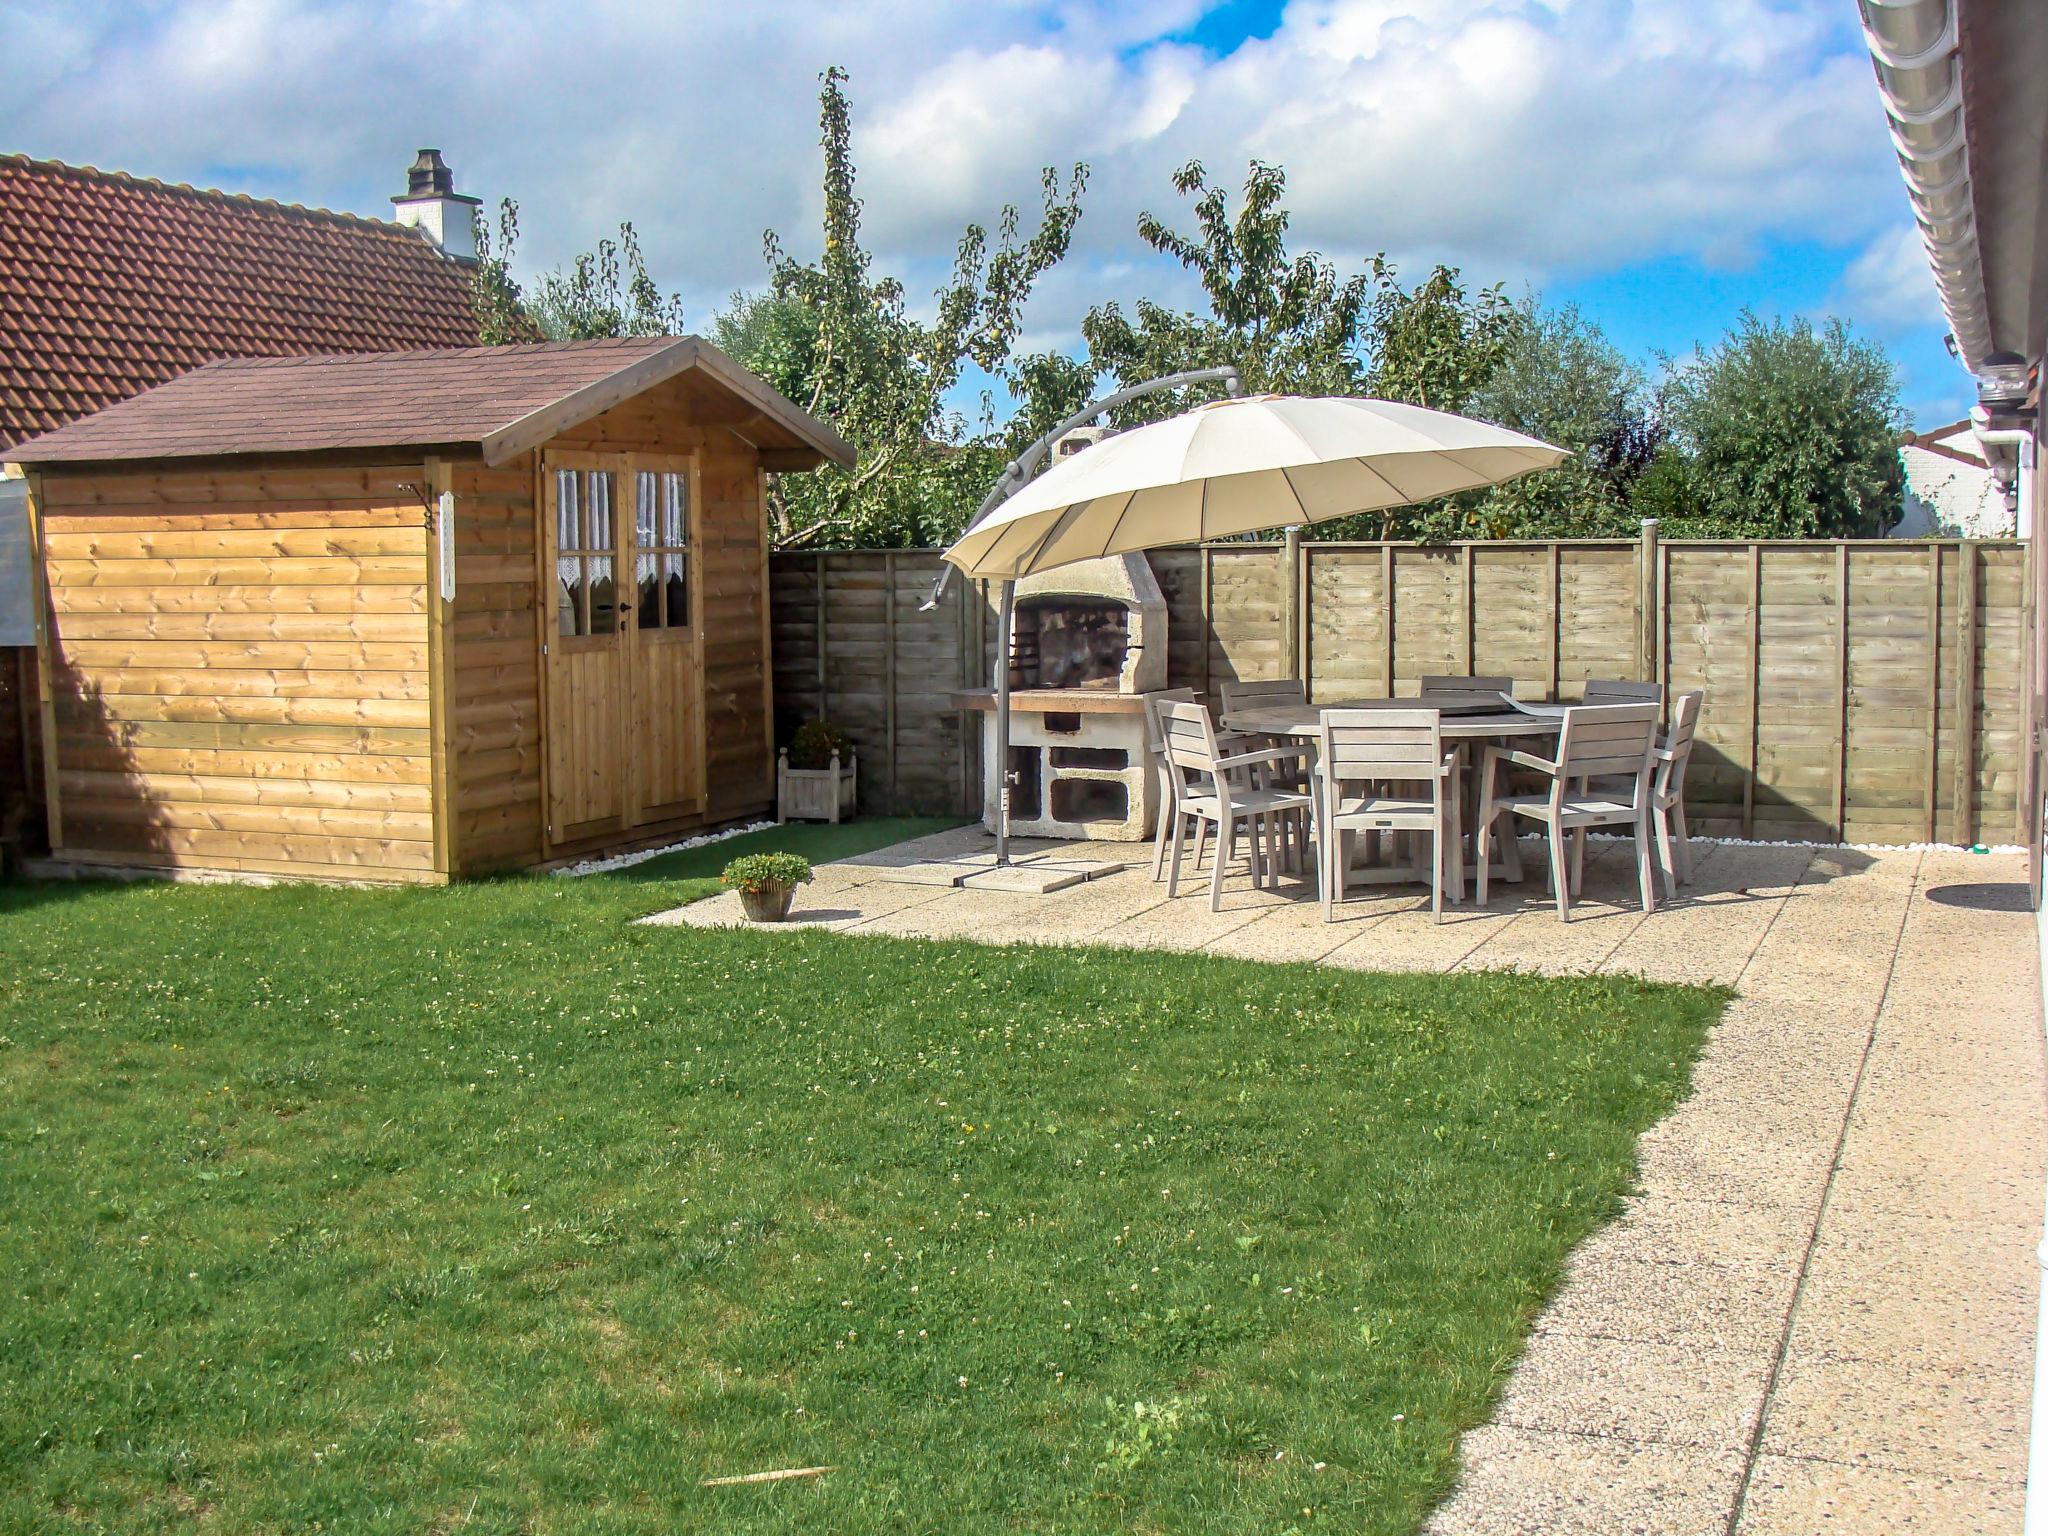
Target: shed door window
(661, 527)
(586, 541)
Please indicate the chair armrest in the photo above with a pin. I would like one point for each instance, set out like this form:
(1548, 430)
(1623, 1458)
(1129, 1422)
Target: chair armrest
(1268, 755)
(1520, 759)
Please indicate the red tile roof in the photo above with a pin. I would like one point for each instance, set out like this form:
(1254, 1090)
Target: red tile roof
(486, 397)
(110, 284)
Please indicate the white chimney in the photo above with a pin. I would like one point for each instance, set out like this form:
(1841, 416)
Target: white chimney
(431, 204)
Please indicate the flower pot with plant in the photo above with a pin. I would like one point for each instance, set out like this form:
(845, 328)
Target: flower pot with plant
(814, 778)
(767, 883)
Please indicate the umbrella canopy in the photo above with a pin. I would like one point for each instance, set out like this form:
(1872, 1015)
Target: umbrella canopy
(1236, 466)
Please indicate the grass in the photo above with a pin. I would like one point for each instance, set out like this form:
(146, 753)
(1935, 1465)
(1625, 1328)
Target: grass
(482, 1210)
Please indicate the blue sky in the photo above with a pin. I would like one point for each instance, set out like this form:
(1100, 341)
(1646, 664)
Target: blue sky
(1661, 163)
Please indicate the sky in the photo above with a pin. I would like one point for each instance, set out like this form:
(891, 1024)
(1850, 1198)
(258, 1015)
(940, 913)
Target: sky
(1662, 164)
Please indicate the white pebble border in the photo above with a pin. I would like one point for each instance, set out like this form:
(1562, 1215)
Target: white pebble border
(628, 860)
(1751, 842)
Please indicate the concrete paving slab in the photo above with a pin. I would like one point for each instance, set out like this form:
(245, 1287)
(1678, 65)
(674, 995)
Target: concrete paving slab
(1408, 941)
(1669, 1394)
(1521, 1482)
(1691, 1155)
(1927, 1294)
(1801, 1496)
(1974, 1196)
(1933, 1422)
(1663, 1227)
(1726, 1306)
(1707, 935)
(832, 909)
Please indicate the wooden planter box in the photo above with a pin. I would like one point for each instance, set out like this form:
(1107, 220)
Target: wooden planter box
(814, 794)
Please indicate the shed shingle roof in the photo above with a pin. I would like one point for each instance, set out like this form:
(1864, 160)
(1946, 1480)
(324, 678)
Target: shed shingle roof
(110, 284)
(502, 400)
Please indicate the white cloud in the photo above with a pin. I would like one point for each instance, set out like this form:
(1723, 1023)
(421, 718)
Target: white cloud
(1888, 287)
(1519, 138)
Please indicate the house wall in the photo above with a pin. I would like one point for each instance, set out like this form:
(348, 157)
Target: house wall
(494, 711)
(238, 670)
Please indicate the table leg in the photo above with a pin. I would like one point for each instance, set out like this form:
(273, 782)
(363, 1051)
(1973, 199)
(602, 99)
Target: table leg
(1454, 887)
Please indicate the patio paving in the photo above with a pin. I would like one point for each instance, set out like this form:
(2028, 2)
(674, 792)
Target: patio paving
(1818, 1311)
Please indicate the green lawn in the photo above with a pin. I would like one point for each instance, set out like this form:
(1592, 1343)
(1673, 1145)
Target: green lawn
(481, 1210)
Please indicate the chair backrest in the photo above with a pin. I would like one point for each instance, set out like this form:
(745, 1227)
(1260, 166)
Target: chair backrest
(1189, 736)
(1465, 690)
(1685, 722)
(1606, 741)
(1155, 732)
(1260, 693)
(1622, 690)
(1396, 744)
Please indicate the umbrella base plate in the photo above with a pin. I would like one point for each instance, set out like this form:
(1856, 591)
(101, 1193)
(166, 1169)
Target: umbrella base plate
(1030, 875)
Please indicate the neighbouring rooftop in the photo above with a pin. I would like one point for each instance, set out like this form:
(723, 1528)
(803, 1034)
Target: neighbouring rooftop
(110, 284)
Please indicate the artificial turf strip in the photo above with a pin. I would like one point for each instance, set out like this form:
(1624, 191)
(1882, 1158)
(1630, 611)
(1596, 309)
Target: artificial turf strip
(482, 1210)
(817, 841)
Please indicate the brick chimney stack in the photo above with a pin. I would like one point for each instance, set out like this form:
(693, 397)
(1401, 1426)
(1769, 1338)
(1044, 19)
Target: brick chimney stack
(431, 205)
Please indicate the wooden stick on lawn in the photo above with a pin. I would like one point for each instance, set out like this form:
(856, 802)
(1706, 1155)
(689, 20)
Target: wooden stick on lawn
(782, 1476)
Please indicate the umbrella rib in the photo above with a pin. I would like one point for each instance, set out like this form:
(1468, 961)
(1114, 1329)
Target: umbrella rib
(1067, 518)
(988, 556)
(1109, 544)
(1380, 475)
(1287, 474)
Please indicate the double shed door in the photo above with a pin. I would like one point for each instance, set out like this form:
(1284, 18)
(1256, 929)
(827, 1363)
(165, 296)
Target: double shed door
(623, 653)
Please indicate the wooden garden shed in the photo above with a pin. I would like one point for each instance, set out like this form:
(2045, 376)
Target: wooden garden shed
(407, 616)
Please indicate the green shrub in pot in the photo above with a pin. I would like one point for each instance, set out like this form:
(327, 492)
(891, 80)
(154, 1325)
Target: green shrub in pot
(815, 743)
(767, 882)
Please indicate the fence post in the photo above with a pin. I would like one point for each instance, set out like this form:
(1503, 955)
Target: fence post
(1556, 619)
(1205, 576)
(1931, 784)
(1966, 695)
(889, 676)
(1469, 623)
(1842, 690)
(1291, 649)
(1756, 672)
(1648, 619)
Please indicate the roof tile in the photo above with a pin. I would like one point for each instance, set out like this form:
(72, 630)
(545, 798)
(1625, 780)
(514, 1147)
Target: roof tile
(110, 284)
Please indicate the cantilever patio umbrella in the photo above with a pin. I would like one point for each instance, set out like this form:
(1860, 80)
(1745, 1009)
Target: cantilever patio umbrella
(1230, 467)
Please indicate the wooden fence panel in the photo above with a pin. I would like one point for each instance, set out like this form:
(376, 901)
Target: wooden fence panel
(1348, 621)
(1867, 690)
(1247, 612)
(1709, 644)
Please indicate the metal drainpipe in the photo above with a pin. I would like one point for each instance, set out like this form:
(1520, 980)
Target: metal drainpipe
(2035, 1523)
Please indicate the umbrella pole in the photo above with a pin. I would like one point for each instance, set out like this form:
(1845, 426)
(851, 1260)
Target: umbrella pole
(1007, 605)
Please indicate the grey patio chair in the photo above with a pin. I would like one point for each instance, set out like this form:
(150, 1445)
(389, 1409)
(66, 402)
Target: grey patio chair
(1394, 760)
(1611, 743)
(1667, 790)
(1216, 786)
(1260, 693)
(1465, 690)
(1265, 693)
(1622, 690)
(1155, 745)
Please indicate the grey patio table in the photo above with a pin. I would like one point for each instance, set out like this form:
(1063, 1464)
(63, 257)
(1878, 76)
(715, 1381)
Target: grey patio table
(1462, 725)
